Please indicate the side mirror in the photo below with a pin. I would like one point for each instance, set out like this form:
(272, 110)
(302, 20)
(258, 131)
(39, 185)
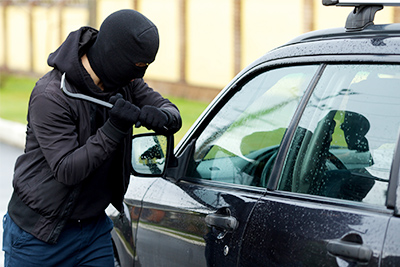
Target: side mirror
(150, 153)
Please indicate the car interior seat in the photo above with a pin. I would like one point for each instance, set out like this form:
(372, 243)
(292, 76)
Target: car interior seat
(350, 184)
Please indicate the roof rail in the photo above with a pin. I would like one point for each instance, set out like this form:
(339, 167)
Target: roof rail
(364, 11)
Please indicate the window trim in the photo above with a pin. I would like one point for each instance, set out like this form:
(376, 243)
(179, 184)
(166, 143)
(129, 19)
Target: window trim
(287, 138)
(393, 199)
(216, 106)
(324, 201)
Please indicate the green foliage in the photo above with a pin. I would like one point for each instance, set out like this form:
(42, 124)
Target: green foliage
(15, 92)
(14, 97)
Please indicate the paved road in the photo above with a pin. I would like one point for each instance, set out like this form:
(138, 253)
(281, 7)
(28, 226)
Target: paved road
(8, 155)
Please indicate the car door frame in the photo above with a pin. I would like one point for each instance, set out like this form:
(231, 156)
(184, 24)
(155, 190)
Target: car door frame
(222, 249)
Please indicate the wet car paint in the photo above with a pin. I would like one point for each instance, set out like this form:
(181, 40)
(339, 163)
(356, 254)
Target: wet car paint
(298, 235)
(182, 236)
(125, 224)
(391, 249)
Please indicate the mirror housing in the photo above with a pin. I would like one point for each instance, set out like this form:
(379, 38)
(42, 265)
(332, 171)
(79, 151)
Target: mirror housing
(151, 154)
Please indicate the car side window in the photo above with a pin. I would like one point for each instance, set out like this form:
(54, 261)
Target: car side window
(240, 143)
(344, 143)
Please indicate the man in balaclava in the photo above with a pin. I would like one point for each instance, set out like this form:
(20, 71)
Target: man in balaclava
(77, 154)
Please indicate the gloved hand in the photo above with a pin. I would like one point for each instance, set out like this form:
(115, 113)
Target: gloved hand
(153, 118)
(123, 114)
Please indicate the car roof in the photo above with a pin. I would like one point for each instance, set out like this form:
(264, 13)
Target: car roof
(376, 43)
(372, 31)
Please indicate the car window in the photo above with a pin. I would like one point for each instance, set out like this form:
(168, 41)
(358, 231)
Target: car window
(344, 143)
(240, 143)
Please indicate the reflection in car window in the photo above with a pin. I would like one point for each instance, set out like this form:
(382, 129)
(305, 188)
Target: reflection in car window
(240, 143)
(344, 143)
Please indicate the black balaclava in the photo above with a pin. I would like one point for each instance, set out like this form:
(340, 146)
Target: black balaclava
(125, 38)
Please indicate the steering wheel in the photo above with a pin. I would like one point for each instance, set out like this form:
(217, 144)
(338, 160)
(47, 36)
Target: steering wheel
(315, 152)
(336, 161)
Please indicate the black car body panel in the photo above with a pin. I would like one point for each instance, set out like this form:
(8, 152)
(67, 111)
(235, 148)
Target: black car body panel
(390, 252)
(176, 220)
(305, 230)
(194, 215)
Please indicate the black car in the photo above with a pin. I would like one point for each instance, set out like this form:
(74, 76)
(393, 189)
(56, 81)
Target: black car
(295, 163)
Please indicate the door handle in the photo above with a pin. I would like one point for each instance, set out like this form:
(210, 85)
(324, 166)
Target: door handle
(222, 221)
(349, 250)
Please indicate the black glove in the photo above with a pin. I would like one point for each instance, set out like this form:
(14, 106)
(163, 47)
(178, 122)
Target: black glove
(123, 114)
(153, 118)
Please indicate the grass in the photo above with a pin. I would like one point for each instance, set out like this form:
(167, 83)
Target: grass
(15, 92)
(14, 97)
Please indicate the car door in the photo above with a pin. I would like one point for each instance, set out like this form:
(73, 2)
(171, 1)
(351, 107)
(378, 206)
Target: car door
(328, 203)
(197, 215)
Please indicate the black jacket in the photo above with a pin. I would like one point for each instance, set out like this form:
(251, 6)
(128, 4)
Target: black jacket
(75, 162)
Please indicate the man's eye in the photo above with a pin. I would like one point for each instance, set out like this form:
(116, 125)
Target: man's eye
(141, 64)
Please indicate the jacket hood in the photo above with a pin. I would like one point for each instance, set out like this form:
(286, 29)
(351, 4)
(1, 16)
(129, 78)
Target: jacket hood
(67, 58)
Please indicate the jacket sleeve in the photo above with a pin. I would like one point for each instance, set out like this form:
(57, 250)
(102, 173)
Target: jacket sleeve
(54, 126)
(144, 95)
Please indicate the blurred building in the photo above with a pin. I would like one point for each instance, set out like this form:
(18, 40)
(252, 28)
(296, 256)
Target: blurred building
(203, 43)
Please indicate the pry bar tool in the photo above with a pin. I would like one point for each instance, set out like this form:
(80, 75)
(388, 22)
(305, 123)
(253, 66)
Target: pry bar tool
(82, 96)
(91, 99)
